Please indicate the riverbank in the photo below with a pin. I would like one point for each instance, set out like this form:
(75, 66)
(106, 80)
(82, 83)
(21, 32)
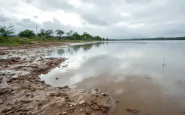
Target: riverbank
(17, 41)
(22, 91)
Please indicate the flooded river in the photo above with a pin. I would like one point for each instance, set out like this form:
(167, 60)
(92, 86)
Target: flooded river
(146, 75)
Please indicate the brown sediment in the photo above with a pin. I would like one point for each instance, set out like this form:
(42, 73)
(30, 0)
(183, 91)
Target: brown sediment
(36, 45)
(23, 93)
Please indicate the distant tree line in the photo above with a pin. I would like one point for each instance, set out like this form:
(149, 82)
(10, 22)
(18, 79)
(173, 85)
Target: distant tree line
(9, 31)
(158, 38)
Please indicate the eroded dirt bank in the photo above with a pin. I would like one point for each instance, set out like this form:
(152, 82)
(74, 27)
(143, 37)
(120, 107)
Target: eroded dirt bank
(23, 93)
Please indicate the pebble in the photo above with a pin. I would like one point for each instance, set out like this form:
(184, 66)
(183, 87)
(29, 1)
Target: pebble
(1, 101)
(104, 94)
(116, 101)
(64, 113)
(82, 102)
(29, 94)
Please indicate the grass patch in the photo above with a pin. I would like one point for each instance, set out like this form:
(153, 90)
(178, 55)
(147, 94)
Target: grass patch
(14, 41)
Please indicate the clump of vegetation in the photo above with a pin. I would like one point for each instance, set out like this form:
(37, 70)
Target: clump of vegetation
(6, 31)
(7, 36)
(27, 33)
(59, 33)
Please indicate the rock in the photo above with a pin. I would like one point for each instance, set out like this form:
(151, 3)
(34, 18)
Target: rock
(72, 104)
(1, 101)
(105, 107)
(116, 101)
(95, 107)
(81, 102)
(29, 94)
(2, 53)
(132, 110)
(64, 113)
(65, 87)
(87, 111)
(81, 109)
(58, 94)
(43, 67)
(104, 94)
(96, 89)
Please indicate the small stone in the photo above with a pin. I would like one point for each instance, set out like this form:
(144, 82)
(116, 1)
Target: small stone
(72, 104)
(104, 94)
(116, 101)
(95, 107)
(132, 110)
(64, 113)
(1, 101)
(81, 102)
(96, 89)
(29, 94)
(81, 109)
(87, 111)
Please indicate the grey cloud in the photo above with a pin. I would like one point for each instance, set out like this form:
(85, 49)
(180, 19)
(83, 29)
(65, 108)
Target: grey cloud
(103, 13)
(25, 24)
(160, 17)
(49, 5)
(138, 1)
(3, 18)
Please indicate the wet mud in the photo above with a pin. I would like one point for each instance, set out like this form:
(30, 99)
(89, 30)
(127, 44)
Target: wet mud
(23, 93)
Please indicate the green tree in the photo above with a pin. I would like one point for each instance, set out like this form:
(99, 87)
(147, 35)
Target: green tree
(69, 33)
(76, 36)
(42, 33)
(84, 37)
(27, 33)
(49, 33)
(59, 33)
(6, 31)
(88, 36)
(97, 38)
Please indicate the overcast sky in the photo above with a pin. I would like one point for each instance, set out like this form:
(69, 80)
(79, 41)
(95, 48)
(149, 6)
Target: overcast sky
(106, 18)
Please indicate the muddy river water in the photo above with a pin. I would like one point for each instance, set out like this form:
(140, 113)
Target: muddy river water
(146, 75)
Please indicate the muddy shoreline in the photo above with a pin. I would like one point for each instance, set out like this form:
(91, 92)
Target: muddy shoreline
(23, 93)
